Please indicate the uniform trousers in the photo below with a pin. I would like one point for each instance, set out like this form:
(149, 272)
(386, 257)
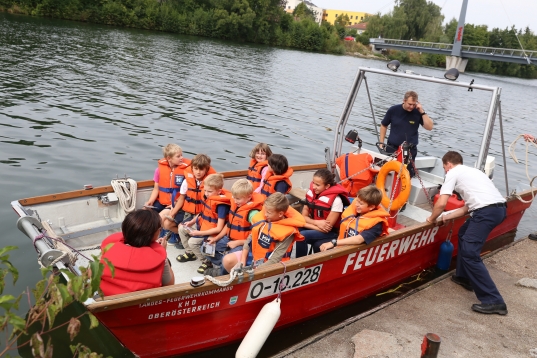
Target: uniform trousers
(472, 236)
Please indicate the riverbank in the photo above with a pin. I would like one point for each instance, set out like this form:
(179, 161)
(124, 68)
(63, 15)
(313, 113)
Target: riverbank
(443, 308)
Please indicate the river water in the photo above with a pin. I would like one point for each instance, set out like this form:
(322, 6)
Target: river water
(82, 103)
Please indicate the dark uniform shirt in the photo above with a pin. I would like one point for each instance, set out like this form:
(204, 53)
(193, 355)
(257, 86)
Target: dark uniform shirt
(404, 125)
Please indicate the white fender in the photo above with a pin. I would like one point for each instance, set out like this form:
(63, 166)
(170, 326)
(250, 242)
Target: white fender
(260, 330)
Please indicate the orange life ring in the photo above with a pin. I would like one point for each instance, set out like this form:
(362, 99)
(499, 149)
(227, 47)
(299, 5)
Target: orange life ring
(400, 200)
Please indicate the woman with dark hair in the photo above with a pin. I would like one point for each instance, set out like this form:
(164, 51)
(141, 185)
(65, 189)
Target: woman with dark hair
(138, 256)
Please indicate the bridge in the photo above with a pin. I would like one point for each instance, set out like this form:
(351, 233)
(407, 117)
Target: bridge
(483, 53)
(457, 55)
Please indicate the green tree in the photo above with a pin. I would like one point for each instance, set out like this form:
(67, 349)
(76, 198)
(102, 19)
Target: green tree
(302, 11)
(51, 297)
(419, 14)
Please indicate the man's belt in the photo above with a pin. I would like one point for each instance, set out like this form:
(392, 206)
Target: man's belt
(498, 205)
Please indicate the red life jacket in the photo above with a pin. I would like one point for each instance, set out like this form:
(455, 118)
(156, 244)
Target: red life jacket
(194, 195)
(170, 181)
(254, 172)
(238, 224)
(208, 218)
(349, 165)
(136, 268)
(266, 236)
(352, 224)
(321, 205)
(269, 186)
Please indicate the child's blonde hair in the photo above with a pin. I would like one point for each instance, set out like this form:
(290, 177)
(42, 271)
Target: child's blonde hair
(278, 202)
(261, 147)
(371, 195)
(215, 181)
(201, 161)
(170, 150)
(242, 188)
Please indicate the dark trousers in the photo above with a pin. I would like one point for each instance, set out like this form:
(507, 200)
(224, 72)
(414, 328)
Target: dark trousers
(390, 148)
(472, 236)
(314, 238)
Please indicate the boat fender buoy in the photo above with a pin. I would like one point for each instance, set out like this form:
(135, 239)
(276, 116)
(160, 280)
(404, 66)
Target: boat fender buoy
(260, 330)
(400, 200)
(445, 255)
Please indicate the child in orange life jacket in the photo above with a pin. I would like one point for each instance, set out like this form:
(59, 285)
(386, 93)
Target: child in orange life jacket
(190, 192)
(211, 220)
(244, 205)
(274, 230)
(322, 210)
(168, 178)
(363, 221)
(258, 167)
(277, 178)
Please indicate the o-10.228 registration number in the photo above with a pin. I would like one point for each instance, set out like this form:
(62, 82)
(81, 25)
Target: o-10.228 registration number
(294, 279)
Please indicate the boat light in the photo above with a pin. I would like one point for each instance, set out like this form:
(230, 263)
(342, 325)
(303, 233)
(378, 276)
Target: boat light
(394, 65)
(452, 74)
(352, 137)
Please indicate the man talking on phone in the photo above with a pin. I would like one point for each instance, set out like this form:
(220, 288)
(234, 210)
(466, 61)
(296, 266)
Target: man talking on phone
(405, 120)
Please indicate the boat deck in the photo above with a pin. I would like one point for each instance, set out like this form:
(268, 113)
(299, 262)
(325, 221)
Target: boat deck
(184, 272)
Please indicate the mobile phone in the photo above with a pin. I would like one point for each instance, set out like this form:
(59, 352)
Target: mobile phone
(150, 206)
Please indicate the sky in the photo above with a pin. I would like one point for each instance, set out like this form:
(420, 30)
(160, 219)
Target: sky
(493, 13)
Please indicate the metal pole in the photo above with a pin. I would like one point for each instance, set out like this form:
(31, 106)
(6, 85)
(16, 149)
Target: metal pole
(487, 133)
(340, 127)
(457, 41)
(503, 149)
(372, 112)
(430, 345)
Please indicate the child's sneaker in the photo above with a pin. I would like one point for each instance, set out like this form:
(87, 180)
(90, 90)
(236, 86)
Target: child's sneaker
(186, 257)
(204, 266)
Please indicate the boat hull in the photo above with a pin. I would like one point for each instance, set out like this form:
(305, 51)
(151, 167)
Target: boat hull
(181, 319)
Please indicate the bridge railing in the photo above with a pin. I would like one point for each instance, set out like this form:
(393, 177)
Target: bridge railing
(465, 48)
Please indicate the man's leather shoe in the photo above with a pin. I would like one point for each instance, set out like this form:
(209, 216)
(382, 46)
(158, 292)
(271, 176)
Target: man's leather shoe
(464, 282)
(499, 308)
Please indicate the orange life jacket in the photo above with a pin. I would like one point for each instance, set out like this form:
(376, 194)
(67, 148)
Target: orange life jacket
(266, 235)
(208, 218)
(254, 172)
(239, 226)
(352, 224)
(170, 181)
(320, 205)
(272, 179)
(194, 195)
(349, 165)
(136, 268)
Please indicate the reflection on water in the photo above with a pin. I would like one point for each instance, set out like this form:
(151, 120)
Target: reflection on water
(81, 103)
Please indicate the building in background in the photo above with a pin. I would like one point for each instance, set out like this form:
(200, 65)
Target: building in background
(360, 28)
(355, 17)
(292, 4)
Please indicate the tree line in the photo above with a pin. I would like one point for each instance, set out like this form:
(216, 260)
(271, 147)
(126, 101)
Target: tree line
(257, 21)
(266, 22)
(422, 20)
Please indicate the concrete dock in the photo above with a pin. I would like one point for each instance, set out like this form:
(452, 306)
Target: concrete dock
(442, 307)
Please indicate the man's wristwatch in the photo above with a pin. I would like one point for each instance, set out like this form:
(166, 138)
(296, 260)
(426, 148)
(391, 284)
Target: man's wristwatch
(334, 242)
(423, 113)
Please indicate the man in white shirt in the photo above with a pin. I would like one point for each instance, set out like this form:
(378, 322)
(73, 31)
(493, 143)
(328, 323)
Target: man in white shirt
(488, 209)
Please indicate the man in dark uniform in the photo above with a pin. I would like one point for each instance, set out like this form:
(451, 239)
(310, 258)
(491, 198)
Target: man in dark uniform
(488, 209)
(405, 121)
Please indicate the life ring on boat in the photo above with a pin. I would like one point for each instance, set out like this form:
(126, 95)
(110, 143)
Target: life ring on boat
(400, 200)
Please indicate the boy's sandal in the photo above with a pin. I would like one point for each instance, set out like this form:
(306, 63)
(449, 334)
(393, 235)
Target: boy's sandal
(186, 257)
(204, 266)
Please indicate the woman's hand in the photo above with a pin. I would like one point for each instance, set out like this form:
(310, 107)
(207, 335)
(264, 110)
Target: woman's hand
(327, 246)
(529, 138)
(195, 233)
